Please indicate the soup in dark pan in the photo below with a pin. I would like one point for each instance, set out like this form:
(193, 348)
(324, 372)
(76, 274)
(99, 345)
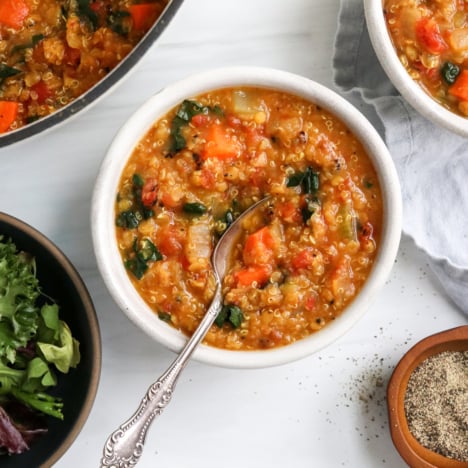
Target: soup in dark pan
(54, 51)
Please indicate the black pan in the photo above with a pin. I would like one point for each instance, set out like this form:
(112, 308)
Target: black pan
(100, 88)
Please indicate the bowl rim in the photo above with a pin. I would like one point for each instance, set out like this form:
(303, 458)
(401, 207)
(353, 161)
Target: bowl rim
(90, 312)
(101, 89)
(102, 209)
(411, 91)
(409, 448)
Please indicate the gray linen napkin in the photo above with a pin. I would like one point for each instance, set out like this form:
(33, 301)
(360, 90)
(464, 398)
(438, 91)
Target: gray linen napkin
(432, 162)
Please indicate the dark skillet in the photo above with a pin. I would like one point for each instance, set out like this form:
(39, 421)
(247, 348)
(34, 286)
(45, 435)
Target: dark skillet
(100, 88)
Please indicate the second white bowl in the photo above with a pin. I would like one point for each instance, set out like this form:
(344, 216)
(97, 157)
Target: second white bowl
(398, 75)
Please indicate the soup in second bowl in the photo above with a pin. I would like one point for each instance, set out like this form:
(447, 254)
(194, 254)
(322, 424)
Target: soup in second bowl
(431, 39)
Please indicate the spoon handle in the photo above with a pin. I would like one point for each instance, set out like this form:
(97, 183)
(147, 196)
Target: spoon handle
(124, 446)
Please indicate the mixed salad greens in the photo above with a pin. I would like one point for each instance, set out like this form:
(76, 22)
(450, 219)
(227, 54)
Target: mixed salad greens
(34, 344)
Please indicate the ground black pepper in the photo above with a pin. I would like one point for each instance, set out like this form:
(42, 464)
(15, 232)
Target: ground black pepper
(436, 404)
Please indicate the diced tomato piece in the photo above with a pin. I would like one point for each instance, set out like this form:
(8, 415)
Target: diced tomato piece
(42, 90)
(149, 192)
(429, 36)
(303, 259)
(253, 274)
(144, 15)
(258, 247)
(169, 243)
(220, 145)
(289, 212)
(8, 114)
(459, 89)
(72, 56)
(366, 231)
(200, 120)
(13, 13)
(169, 246)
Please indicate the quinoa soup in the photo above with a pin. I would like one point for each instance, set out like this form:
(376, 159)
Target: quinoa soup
(299, 262)
(431, 40)
(52, 51)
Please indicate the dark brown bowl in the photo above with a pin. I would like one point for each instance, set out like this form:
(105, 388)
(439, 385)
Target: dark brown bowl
(417, 456)
(100, 88)
(60, 281)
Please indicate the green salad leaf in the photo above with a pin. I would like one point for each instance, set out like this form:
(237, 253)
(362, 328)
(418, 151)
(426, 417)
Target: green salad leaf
(63, 352)
(34, 342)
(19, 290)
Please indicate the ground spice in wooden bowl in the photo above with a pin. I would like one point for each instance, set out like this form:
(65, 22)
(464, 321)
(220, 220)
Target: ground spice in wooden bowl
(436, 404)
(427, 399)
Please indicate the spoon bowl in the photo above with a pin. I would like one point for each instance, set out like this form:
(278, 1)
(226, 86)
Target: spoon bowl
(124, 446)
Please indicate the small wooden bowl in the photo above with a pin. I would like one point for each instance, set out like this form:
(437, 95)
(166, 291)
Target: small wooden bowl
(417, 456)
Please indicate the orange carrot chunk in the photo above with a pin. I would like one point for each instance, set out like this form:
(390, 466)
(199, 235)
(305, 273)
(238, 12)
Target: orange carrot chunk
(144, 15)
(220, 145)
(253, 274)
(13, 13)
(459, 89)
(258, 247)
(8, 113)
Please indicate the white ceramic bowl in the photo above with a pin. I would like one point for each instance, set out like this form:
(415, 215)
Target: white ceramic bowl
(409, 89)
(103, 215)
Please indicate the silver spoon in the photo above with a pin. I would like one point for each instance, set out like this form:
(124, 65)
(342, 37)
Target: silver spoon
(124, 446)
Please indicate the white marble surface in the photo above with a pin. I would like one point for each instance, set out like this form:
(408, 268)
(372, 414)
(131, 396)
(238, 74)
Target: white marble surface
(325, 410)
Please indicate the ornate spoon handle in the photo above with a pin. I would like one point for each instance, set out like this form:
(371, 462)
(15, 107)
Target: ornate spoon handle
(124, 446)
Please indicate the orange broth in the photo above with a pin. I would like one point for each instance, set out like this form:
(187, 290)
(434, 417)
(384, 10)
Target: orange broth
(301, 260)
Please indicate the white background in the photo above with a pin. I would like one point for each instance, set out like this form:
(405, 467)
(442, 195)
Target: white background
(327, 410)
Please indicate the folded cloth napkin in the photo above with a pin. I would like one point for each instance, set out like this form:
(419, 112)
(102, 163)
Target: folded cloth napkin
(432, 163)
